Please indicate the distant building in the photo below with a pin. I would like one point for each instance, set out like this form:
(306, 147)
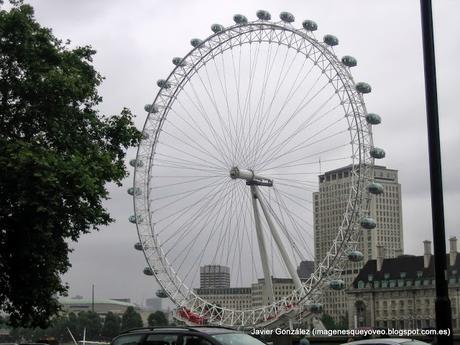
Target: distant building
(281, 288)
(305, 269)
(153, 304)
(233, 298)
(400, 292)
(214, 276)
(101, 306)
(329, 207)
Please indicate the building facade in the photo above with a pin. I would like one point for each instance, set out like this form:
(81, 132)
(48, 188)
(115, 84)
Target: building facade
(214, 276)
(232, 298)
(400, 292)
(329, 207)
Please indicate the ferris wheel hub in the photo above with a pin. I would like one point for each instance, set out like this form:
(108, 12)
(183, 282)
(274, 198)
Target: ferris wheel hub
(250, 177)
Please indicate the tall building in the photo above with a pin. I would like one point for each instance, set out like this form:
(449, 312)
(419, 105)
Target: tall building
(214, 276)
(329, 206)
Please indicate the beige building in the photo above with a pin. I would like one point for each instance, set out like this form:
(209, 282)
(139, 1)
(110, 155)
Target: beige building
(232, 298)
(329, 206)
(246, 297)
(400, 292)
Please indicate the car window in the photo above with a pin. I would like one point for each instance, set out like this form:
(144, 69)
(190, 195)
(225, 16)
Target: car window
(131, 339)
(162, 339)
(194, 340)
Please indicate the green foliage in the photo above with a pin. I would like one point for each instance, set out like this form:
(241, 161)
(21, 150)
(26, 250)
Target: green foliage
(157, 318)
(57, 156)
(111, 326)
(328, 321)
(131, 319)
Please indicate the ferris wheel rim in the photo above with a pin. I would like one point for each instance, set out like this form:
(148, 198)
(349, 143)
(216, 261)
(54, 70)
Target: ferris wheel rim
(183, 290)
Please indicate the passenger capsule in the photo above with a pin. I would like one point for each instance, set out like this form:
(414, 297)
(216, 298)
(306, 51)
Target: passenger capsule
(373, 119)
(138, 246)
(151, 108)
(135, 219)
(134, 191)
(240, 19)
(310, 25)
(355, 256)
(337, 284)
(148, 271)
(377, 153)
(375, 188)
(363, 87)
(178, 61)
(287, 17)
(196, 42)
(161, 293)
(164, 84)
(368, 223)
(136, 163)
(349, 61)
(263, 15)
(330, 40)
(217, 28)
(316, 308)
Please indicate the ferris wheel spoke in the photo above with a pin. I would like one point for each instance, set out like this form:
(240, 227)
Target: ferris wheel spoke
(193, 144)
(183, 211)
(246, 118)
(219, 142)
(300, 230)
(301, 131)
(203, 250)
(192, 213)
(294, 89)
(289, 152)
(197, 129)
(186, 254)
(258, 112)
(280, 80)
(210, 93)
(271, 136)
(201, 215)
(179, 162)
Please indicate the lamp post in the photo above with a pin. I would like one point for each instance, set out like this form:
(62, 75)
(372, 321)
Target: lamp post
(442, 303)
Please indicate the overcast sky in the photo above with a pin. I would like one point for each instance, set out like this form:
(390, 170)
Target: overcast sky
(136, 40)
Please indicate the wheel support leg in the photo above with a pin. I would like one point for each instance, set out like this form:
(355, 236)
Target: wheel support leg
(287, 261)
(268, 286)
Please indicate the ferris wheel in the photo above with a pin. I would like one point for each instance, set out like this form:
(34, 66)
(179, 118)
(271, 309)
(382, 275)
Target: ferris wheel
(232, 147)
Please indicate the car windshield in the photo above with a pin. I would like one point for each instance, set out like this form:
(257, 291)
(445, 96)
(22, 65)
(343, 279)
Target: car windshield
(236, 339)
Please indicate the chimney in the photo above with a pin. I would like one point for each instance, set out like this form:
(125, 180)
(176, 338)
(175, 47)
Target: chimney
(380, 256)
(399, 252)
(426, 254)
(453, 250)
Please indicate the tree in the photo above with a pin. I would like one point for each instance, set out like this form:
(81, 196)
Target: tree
(131, 319)
(111, 326)
(157, 318)
(57, 156)
(328, 321)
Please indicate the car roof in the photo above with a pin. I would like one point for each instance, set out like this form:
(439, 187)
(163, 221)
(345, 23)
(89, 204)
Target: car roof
(181, 329)
(381, 341)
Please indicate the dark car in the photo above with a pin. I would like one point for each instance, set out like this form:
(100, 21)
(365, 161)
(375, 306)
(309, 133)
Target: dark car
(200, 335)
